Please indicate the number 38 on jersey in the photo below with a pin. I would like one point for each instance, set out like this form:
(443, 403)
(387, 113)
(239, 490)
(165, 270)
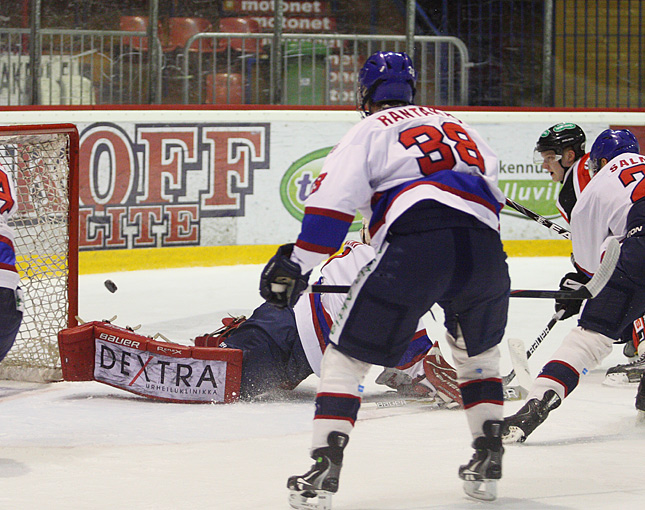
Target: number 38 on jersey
(442, 147)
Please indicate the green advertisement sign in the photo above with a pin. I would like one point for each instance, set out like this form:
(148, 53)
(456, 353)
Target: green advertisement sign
(297, 181)
(539, 195)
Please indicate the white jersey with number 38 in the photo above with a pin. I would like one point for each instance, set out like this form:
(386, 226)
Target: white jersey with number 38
(601, 211)
(387, 163)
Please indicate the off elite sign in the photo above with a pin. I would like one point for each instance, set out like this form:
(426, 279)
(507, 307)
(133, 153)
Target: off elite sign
(157, 186)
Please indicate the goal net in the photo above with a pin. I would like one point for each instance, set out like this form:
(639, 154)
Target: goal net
(43, 161)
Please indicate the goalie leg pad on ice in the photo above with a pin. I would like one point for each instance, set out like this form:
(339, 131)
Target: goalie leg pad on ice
(167, 371)
(214, 339)
(442, 376)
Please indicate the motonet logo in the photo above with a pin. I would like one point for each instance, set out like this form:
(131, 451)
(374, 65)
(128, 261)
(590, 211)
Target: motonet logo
(297, 181)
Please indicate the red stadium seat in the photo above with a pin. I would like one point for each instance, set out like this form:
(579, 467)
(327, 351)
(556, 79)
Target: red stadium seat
(135, 24)
(228, 89)
(240, 26)
(140, 24)
(182, 29)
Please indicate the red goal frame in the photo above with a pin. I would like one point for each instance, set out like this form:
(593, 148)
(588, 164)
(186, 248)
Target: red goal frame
(72, 216)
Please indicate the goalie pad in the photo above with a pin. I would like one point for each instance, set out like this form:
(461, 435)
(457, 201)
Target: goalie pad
(216, 338)
(442, 375)
(119, 357)
(633, 337)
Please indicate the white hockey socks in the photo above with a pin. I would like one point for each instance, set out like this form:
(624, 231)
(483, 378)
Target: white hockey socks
(581, 351)
(479, 380)
(338, 398)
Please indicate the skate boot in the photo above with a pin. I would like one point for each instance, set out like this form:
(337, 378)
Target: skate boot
(630, 350)
(313, 490)
(519, 426)
(629, 373)
(480, 475)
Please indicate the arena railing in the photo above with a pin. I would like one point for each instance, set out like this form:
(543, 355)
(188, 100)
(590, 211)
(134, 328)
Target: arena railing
(84, 67)
(79, 67)
(313, 69)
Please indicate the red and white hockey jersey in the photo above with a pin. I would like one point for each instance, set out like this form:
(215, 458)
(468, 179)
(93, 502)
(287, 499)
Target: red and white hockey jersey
(8, 206)
(314, 312)
(575, 180)
(601, 211)
(387, 163)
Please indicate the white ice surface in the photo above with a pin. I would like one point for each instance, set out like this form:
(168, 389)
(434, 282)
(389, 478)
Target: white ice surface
(90, 446)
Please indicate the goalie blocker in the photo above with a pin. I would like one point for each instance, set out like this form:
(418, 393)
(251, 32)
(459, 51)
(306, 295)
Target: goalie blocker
(119, 357)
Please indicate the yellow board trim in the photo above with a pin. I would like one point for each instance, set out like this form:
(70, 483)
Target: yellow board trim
(109, 261)
(538, 248)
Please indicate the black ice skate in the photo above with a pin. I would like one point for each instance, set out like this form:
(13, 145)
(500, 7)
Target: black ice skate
(629, 373)
(640, 399)
(480, 475)
(313, 490)
(519, 426)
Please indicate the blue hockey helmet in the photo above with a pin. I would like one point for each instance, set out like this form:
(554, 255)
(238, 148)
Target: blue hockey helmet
(609, 144)
(386, 76)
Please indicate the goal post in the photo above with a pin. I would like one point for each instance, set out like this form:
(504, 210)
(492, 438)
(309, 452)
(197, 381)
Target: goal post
(43, 162)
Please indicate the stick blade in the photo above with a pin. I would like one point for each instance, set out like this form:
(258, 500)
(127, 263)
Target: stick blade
(512, 393)
(520, 363)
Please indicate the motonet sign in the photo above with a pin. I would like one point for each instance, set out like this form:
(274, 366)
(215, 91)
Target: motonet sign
(156, 184)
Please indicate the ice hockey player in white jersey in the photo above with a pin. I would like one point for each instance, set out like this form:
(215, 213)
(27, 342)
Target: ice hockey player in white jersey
(281, 347)
(612, 206)
(428, 184)
(11, 305)
(561, 151)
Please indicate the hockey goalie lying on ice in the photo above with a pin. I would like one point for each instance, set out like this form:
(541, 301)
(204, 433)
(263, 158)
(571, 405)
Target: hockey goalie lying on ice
(274, 349)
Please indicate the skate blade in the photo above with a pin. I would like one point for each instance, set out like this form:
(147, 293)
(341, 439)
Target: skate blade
(485, 490)
(640, 417)
(321, 502)
(617, 380)
(515, 435)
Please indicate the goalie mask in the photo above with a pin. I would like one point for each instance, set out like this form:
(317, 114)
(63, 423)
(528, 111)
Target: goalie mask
(386, 76)
(609, 144)
(558, 138)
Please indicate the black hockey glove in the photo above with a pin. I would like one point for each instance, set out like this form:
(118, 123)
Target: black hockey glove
(571, 281)
(282, 282)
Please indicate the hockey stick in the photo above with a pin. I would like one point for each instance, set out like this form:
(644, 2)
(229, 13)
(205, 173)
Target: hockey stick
(519, 362)
(593, 287)
(589, 290)
(424, 403)
(540, 219)
(556, 317)
(514, 392)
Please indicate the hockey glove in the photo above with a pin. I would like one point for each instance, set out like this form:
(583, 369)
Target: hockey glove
(282, 282)
(570, 281)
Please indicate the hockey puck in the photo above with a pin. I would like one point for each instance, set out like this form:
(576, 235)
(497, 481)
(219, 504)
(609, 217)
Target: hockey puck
(110, 285)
